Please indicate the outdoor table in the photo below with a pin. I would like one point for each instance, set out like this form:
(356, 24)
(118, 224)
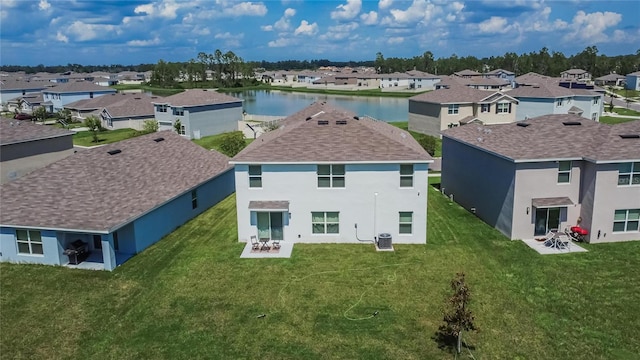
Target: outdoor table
(265, 244)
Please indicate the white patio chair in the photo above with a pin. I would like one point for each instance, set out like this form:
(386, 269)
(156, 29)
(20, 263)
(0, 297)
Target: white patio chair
(255, 245)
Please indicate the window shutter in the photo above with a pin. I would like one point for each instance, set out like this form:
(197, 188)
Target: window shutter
(509, 108)
(497, 108)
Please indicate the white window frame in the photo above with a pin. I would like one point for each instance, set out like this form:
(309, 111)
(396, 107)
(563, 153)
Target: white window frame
(406, 173)
(502, 108)
(183, 130)
(634, 221)
(334, 175)
(32, 244)
(595, 101)
(405, 223)
(453, 109)
(325, 223)
(178, 111)
(594, 116)
(162, 108)
(633, 174)
(256, 175)
(562, 171)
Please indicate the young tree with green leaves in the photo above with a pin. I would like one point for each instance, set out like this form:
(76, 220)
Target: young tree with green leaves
(178, 126)
(95, 126)
(232, 143)
(40, 113)
(457, 316)
(149, 126)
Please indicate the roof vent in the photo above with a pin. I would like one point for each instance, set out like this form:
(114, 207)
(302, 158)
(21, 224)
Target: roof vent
(356, 117)
(571, 123)
(522, 124)
(630, 136)
(113, 152)
(341, 122)
(323, 122)
(204, 90)
(309, 118)
(158, 139)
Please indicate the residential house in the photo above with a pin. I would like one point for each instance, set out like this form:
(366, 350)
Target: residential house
(502, 74)
(576, 74)
(12, 88)
(328, 176)
(395, 80)
(476, 82)
(422, 81)
(610, 80)
(431, 112)
(549, 172)
(201, 112)
(26, 103)
(467, 74)
(25, 147)
(65, 93)
(552, 98)
(125, 197)
(632, 81)
(117, 111)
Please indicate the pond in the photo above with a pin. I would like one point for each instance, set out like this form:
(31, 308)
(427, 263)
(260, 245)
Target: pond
(283, 103)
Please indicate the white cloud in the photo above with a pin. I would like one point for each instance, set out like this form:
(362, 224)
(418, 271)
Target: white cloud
(9, 3)
(282, 42)
(84, 32)
(166, 9)
(339, 32)
(142, 43)
(370, 18)
(420, 10)
(201, 31)
(44, 5)
(306, 29)
(385, 4)
(228, 35)
(266, 28)
(591, 27)
(347, 11)
(62, 37)
(289, 12)
(395, 40)
(496, 24)
(246, 9)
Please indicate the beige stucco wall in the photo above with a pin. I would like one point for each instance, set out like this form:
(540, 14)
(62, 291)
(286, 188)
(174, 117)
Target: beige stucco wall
(540, 180)
(491, 117)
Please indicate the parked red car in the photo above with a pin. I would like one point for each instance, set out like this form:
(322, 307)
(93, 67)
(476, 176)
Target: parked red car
(23, 117)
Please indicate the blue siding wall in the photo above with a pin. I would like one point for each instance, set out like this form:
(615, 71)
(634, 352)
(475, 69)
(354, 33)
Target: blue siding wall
(9, 248)
(154, 226)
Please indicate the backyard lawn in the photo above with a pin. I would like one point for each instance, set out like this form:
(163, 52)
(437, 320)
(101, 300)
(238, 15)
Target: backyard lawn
(191, 296)
(85, 138)
(615, 120)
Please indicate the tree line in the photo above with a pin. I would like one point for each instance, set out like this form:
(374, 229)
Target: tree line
(544, 62)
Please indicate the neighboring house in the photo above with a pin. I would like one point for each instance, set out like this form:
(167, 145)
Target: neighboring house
(117, 111)
(395, 80)
(328, 176)
(476, 82)
(610, 80)
(506, 75)
(431, 112)
(25, 147)
(422, 80)
(121, 198)
(547, 173)
(201, 112)
(65, 93)
(550, 98)
(11, 88)
(467, 74)
(532, 78)
(576, 74)
(632, 81)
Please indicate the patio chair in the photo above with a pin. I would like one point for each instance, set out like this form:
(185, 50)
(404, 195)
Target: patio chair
(276, 244)
(255, 245)
(564, 240)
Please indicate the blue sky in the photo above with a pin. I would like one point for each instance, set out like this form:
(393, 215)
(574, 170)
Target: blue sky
(54, 32)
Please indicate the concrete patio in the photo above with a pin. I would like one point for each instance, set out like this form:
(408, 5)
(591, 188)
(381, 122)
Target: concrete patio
(543, 249)
(284, 252)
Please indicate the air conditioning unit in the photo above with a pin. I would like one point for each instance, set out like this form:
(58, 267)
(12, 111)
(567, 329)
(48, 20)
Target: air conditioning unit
(384, 241)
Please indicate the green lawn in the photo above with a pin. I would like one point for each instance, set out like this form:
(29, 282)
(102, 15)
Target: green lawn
(614, 120)
(154, 90)
(191, 296)
(85, 138)
(404, 125)
(625, 111)
(627, 93)
(214, 142)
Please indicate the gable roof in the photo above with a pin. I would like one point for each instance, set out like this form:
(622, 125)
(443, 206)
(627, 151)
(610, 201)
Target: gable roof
(19, 84)
(197, 97)
(498, 71)
(610, 77)
(467, 72)
(553, 137)
(575, 71)
(459, 94)
(118, 105)
(302, 139)
(19, 131)
(78, 86)
(109, 191)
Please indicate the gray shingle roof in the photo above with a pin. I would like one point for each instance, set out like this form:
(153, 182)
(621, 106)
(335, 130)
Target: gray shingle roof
(547, 137)
(196, 97)
(456, 94)
(17, 131)
(302, 140)
(541, 90)
(92, 190)
(19, 84)
(610, 77)
(78, 86)
(118, 105)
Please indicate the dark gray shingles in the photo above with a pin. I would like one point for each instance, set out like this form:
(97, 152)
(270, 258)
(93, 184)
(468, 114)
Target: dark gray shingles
(195, 97)
(92, 190)
(16, 131)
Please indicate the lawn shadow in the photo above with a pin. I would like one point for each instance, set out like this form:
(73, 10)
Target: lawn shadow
(448, 342)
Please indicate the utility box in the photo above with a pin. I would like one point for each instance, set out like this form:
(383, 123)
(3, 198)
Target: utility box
(384, 241)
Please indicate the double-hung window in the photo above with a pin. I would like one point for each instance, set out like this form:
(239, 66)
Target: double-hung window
(559, 102)
(255, 176)
(178, 111)
(183, 130)
(629, 173)
(503, 108)
(29, 242)
(564, 172)
(626, 220)
(194, 199)
(331, 176)
(162, 108)
(406, 222)
(453, 109)
(325, 222)
(406, 175)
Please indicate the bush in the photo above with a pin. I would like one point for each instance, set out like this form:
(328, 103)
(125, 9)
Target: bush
(149, 126)
(429, 143)
(232, 143)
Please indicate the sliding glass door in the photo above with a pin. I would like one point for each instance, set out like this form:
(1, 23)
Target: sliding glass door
(546, 219)
(270, 225)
